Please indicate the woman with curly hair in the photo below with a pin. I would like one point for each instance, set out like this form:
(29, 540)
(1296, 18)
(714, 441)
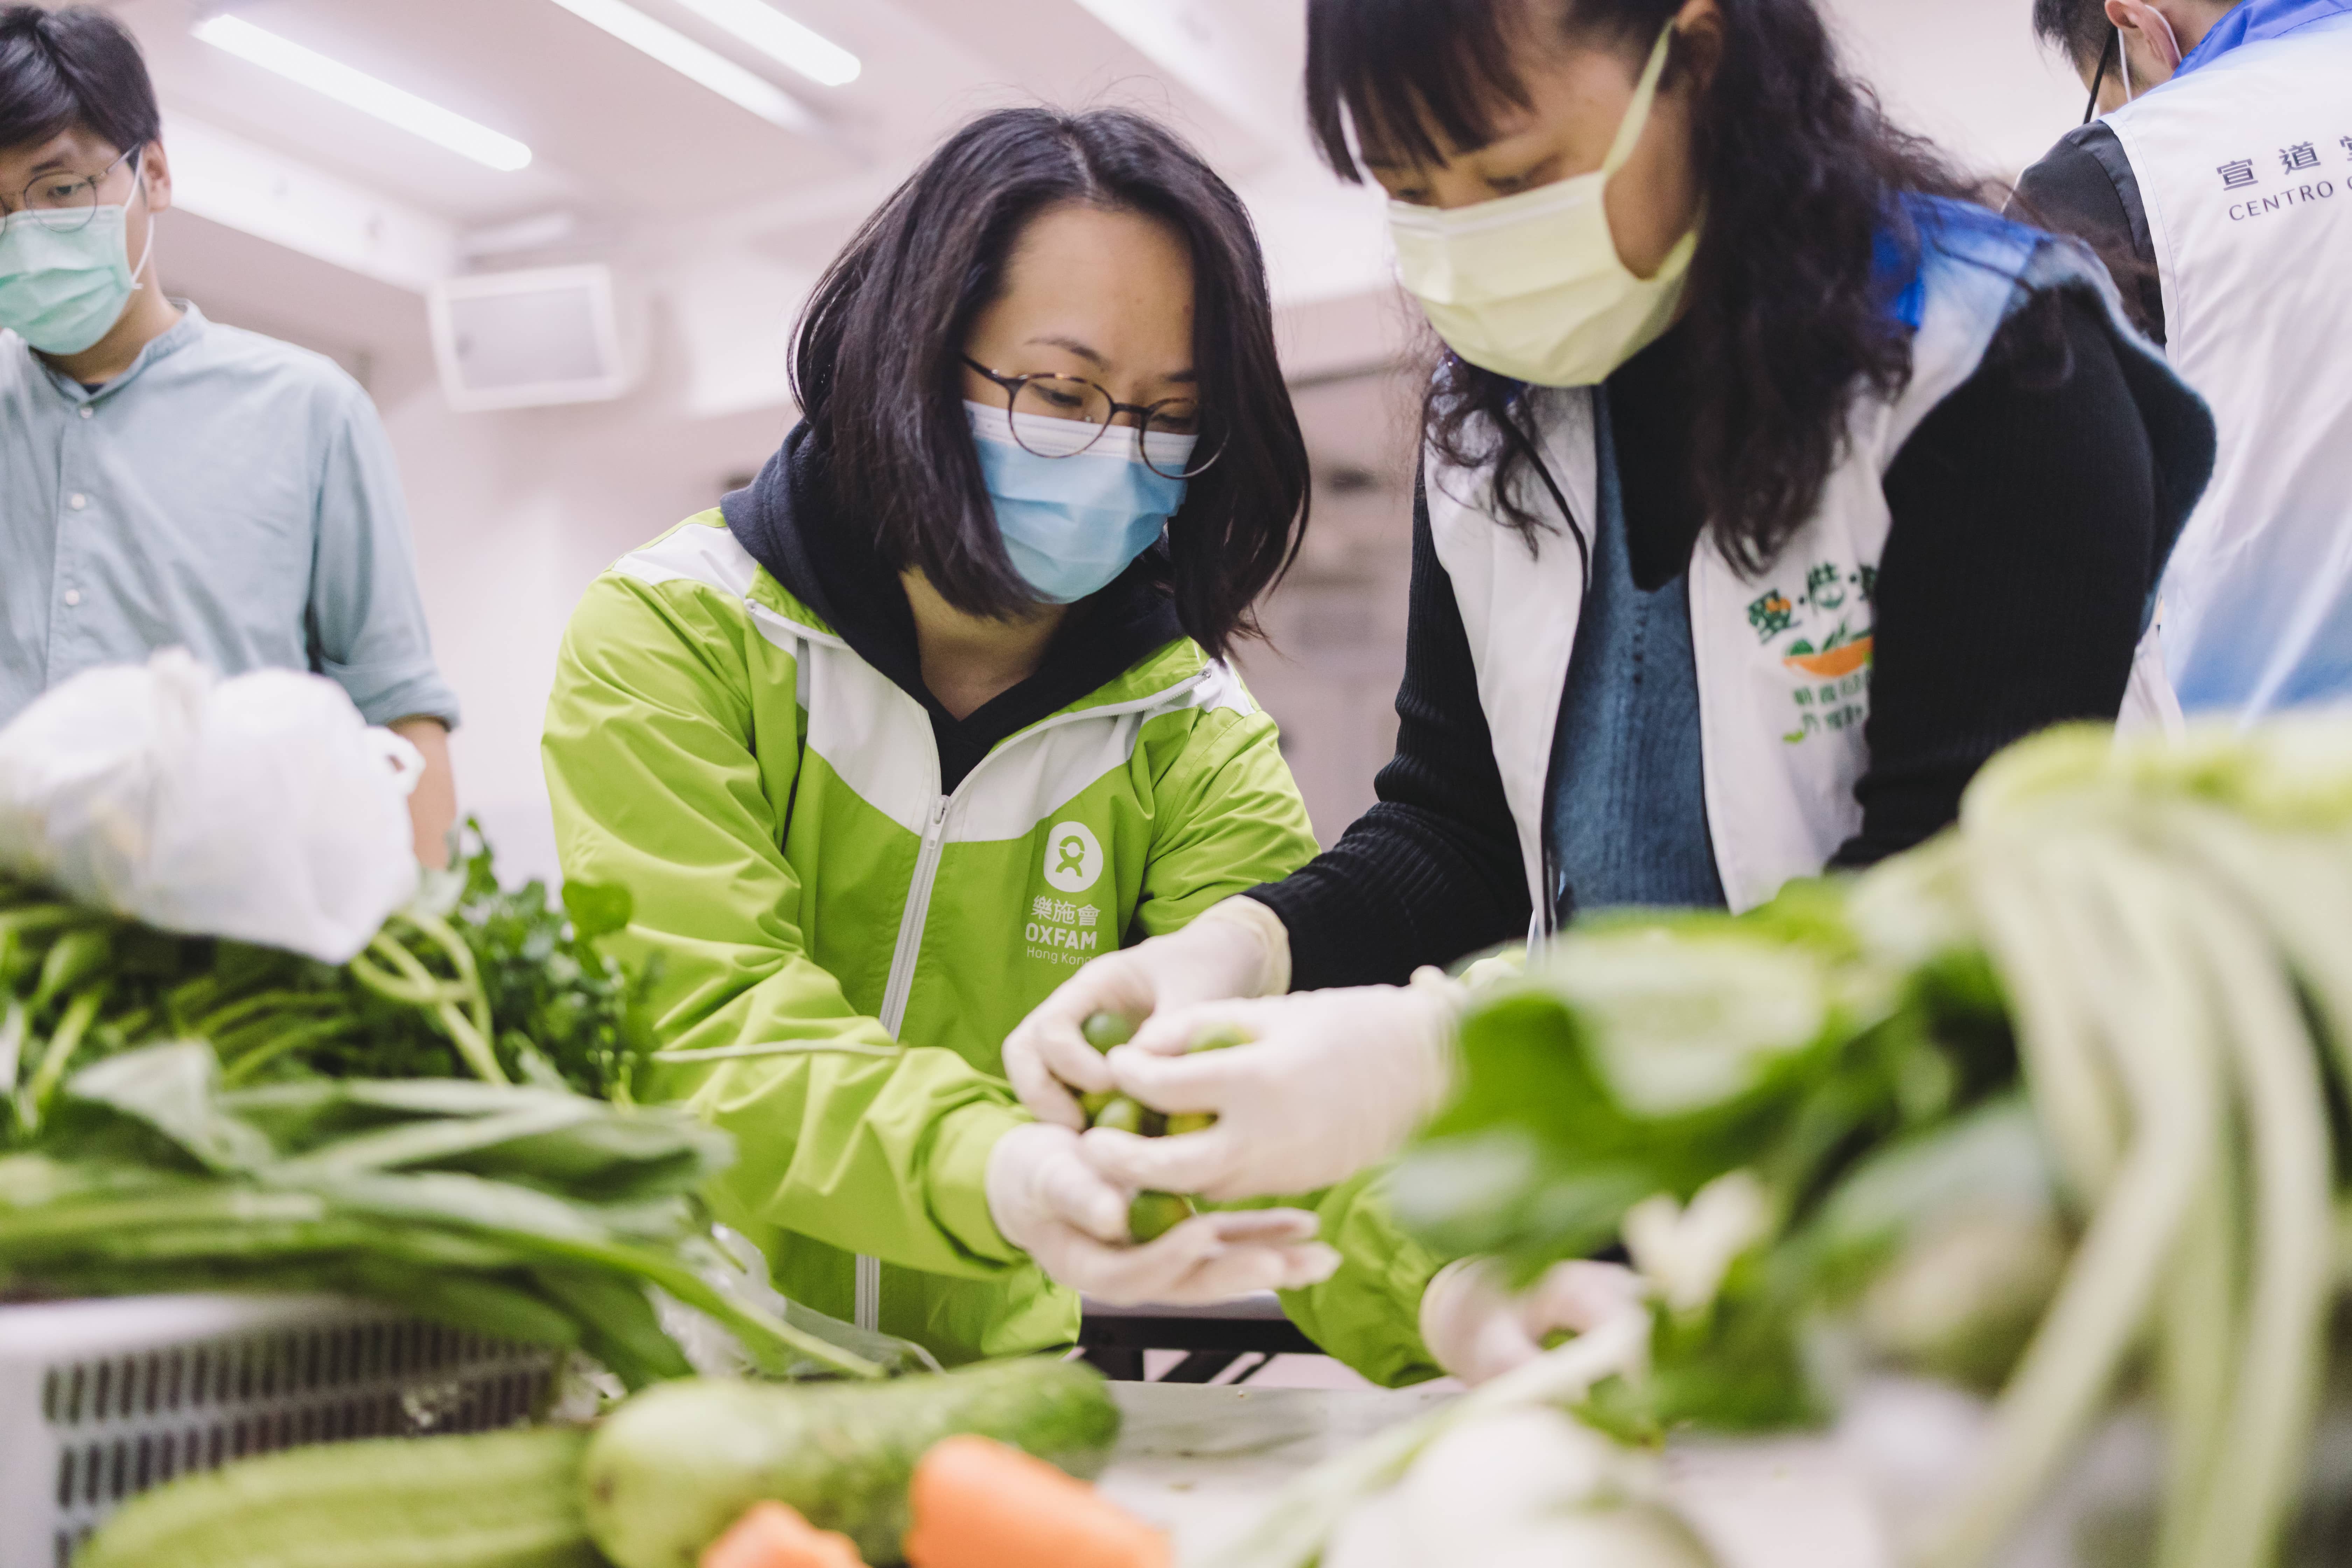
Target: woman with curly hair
(1769, 484)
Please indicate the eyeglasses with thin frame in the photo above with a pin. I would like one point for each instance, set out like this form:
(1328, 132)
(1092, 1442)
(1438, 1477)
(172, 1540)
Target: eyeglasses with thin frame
(60, 192)
(1057, 402)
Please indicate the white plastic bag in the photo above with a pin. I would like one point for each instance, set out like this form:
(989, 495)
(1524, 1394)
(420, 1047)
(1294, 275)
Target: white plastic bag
(262, 808)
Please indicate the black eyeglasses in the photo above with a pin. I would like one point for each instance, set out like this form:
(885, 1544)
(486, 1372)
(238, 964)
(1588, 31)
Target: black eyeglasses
(75, 195)
(1043, 408)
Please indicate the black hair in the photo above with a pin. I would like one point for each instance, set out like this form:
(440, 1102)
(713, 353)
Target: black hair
(75, 67)
(2080, 28)
(1799, 170)
(877, 364)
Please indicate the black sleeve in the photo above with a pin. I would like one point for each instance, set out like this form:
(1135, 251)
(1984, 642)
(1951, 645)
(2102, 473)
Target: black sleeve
(1432, 871)
(2016, 571)
(2085, 187)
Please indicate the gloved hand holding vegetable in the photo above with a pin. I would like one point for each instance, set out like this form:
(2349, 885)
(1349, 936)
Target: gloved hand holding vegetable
(1239, 948)
(1052, 1204)
(1328, 1083)
(1477, 1328)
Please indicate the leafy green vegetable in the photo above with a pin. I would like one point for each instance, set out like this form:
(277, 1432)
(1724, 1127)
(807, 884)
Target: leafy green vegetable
(1657, 1056)
(502, 986)
(537, 1214)
(2065, 1084)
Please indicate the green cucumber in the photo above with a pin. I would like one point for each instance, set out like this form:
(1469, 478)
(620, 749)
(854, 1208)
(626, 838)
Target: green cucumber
(1106, 1031)
(672, 1468)
(501, 1499)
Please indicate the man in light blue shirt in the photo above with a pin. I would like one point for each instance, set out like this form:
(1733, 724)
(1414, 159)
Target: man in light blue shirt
(165, 481)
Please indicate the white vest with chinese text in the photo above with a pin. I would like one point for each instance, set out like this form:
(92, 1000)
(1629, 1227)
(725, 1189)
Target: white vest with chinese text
(1784, 660)
(2244, 167)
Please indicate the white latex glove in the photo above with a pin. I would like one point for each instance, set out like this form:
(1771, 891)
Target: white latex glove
(1237, 948)
(1049, 1203)
(1476, 1329)
(1331, 1082)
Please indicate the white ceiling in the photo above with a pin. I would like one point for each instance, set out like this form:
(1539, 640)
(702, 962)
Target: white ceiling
(659, 173)
(622, 137)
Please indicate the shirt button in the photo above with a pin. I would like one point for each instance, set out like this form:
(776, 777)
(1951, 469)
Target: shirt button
(86, 411)
(76, 501)
(73, 597)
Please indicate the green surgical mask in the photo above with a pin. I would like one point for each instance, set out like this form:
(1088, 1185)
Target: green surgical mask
(62, 288)
(1529, 286)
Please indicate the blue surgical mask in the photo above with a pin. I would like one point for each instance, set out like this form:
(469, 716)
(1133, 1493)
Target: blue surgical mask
(1073, 523)
(62, 288)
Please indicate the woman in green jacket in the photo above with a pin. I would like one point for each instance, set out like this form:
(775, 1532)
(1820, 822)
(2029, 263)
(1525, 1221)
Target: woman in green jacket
(933, 710)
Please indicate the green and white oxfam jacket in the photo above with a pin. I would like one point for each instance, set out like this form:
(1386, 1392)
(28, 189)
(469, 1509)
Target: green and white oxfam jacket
(843, 948)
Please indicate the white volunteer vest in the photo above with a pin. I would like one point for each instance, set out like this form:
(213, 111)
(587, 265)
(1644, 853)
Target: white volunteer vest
(1783, 661)
(2245, 169)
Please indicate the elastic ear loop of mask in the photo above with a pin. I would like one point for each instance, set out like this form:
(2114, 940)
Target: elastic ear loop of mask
(2108, 46)
(1637, 114)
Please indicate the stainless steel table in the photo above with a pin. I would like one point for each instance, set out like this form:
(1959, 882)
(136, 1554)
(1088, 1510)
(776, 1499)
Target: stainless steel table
(1203, 1463)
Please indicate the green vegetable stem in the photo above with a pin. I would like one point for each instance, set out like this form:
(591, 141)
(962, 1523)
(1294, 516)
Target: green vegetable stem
(2051, 1103)
(500, 985)
(535, 1215)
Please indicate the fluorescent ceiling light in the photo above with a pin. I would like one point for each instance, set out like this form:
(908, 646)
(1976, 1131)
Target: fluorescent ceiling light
(690, 59)
(364, 92)
(781, 38)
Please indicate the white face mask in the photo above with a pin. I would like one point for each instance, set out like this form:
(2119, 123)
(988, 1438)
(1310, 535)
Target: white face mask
(1529, 286)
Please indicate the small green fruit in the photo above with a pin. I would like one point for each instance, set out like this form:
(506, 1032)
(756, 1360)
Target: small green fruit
(1104, 1030)
(1153, 1215)
(1121, 1114)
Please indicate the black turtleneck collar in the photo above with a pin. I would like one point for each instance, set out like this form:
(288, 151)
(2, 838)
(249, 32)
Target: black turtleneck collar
(786, 517)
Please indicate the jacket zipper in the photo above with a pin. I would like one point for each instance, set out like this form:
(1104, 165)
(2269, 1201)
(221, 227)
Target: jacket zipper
(917, 911)
(867, 1300)
(866, 1310)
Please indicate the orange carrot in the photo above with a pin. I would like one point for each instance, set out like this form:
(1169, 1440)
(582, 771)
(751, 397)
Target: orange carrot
(772, 1535)
(979, 1504)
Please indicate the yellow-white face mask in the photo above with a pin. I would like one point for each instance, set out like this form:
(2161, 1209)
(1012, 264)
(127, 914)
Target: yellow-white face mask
(1529, 286)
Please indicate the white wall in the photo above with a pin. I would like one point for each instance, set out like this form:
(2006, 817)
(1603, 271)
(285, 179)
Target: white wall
(1967, 73)
(515, 514)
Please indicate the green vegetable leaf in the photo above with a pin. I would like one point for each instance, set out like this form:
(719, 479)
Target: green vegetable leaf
(172, 1088)
(597, 908)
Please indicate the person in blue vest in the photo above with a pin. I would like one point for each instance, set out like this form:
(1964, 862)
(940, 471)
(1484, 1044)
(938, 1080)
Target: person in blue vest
(166, 480)
(1769, 484)
(2220, 174)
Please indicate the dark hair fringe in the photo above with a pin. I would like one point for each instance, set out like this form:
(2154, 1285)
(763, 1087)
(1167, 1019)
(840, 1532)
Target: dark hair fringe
(1800, 170)
(878, 368)
(78, 66)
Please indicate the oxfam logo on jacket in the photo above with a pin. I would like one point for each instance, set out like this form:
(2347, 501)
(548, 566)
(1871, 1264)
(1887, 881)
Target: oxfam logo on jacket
(1074, 857)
